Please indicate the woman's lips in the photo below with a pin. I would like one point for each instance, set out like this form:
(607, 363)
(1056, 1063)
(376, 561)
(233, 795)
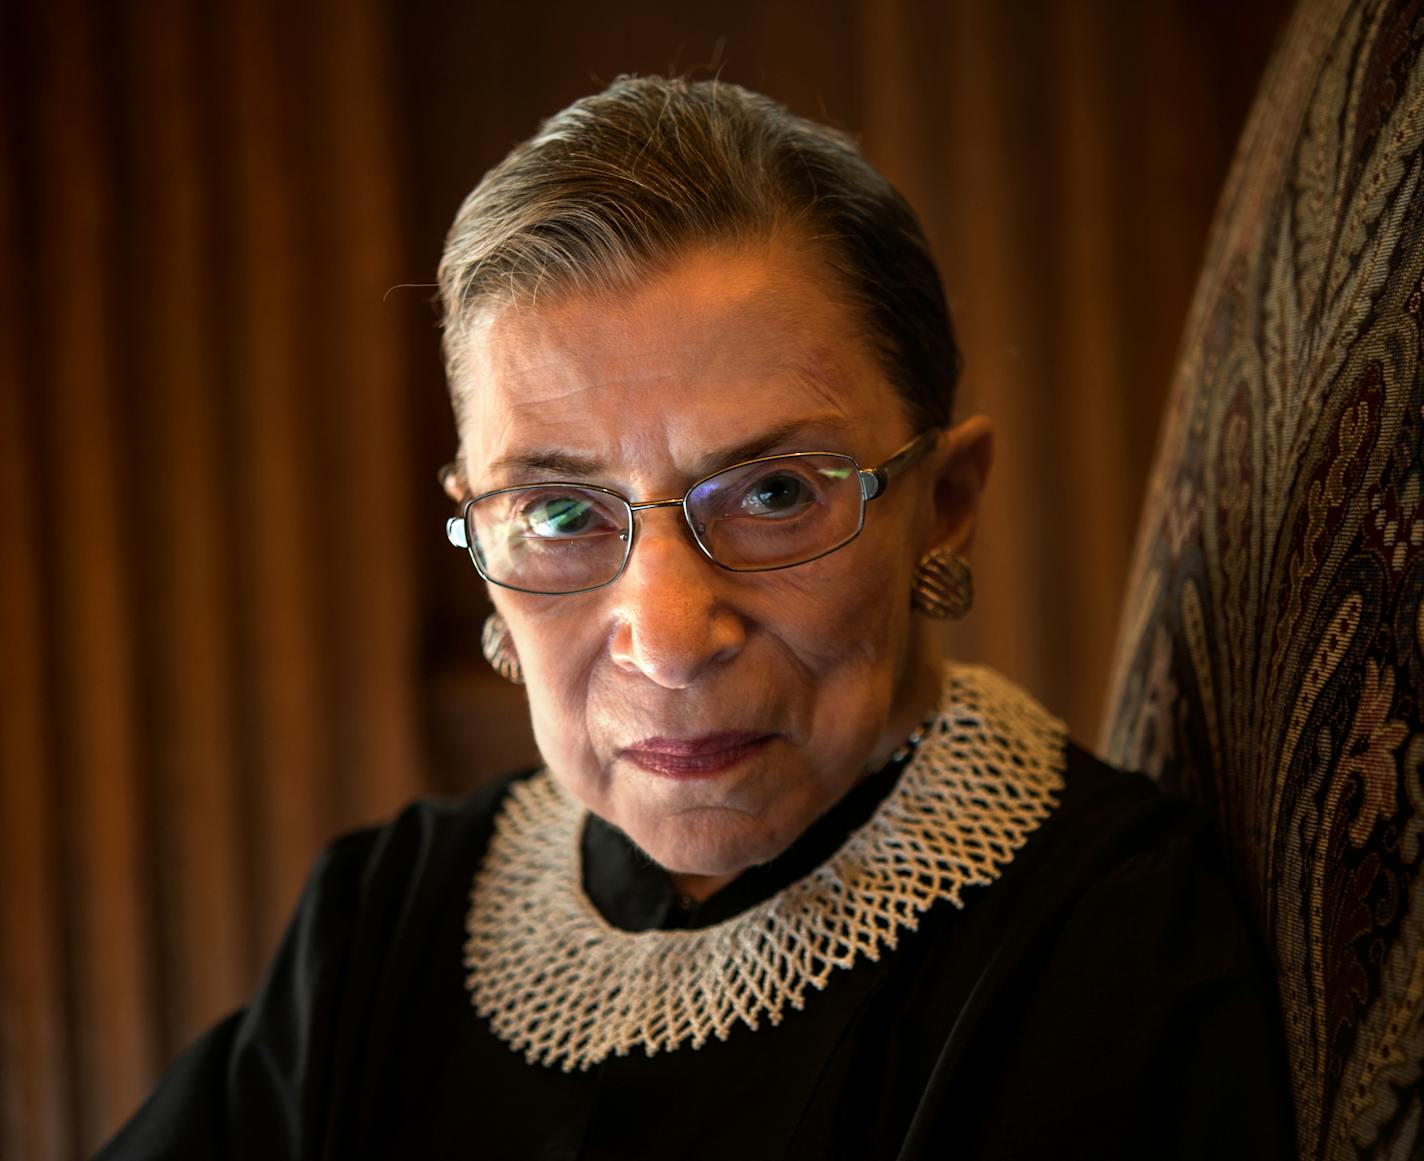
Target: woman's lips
(695, 757)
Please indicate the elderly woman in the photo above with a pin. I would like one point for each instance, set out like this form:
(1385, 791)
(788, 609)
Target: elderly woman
(786, 885)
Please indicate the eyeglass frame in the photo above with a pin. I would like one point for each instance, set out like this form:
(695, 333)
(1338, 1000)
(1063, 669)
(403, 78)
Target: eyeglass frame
(873, 482)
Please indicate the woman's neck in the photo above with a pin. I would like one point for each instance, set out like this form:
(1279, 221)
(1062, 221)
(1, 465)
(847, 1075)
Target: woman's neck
(700, 888)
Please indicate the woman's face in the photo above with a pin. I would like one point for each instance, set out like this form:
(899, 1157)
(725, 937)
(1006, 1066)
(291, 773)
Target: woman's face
(710, 715)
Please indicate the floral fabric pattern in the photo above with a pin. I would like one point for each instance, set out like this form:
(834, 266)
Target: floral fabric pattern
(1271, 662)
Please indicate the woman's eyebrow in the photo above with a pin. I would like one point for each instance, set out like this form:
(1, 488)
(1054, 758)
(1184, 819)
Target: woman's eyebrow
(576, 465)
(784, 435)
(556, 462)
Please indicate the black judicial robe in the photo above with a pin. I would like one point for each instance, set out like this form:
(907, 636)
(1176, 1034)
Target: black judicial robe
(1103, 998)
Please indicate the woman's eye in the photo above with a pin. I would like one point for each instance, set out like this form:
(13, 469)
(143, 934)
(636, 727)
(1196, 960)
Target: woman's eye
(562, 516)
(777, 494)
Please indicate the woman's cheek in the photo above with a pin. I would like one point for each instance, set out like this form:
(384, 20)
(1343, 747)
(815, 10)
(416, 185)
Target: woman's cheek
(556, 706)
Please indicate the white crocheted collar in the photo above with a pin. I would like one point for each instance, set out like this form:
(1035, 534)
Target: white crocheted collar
(563, 986)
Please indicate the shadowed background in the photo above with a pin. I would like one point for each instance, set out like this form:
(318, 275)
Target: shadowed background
(229, 624)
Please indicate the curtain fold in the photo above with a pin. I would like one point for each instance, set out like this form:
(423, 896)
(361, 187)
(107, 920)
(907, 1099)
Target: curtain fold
(34, 1008)
(88, 490)
(209, 650)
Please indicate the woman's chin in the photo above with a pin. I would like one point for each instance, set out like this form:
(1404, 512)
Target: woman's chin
(710, 843)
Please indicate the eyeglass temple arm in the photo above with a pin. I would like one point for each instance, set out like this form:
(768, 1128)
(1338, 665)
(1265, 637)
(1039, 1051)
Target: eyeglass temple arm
(873, 481)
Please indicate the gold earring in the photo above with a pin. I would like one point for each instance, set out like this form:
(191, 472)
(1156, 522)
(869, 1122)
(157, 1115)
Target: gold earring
(499, 650)
(944, 586)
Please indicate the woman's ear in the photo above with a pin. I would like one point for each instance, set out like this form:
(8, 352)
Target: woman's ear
(452, 480)
(967, 453)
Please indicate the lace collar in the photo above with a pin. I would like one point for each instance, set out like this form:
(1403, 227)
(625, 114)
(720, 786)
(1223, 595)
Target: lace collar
(560, 984)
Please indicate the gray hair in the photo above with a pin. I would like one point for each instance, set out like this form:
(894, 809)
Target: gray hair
(618, 184)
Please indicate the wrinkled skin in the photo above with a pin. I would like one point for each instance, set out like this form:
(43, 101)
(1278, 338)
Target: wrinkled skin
(654, 388)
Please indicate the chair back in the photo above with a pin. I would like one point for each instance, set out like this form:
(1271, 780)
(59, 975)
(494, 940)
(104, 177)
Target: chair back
(1271, 657)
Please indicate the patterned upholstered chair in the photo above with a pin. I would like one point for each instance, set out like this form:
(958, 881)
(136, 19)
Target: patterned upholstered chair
(1271, 660)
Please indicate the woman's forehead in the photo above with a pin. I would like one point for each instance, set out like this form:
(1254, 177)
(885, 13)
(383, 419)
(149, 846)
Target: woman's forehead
(712, 311)
(718, 346)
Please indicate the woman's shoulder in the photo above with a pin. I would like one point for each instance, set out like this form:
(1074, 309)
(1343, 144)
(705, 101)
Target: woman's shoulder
(261, 1081)
(1122, 868)
(1088, 822)
(1117, 831)
(1136, 883)
(1112, 809)
(1095, 785)
(1118, 952)
(426, 839)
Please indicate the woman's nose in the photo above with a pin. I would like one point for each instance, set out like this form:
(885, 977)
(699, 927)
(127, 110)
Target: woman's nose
(672, 621)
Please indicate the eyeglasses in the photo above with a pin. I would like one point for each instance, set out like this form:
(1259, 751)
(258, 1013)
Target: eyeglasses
(774, 512)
